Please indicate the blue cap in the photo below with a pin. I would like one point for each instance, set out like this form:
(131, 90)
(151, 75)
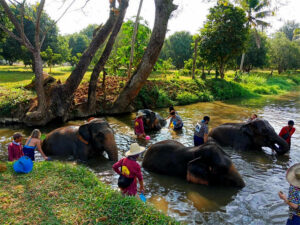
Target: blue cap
(23, 165)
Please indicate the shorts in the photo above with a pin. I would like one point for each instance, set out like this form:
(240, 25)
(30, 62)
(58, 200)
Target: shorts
(198, 140)
(294, 221)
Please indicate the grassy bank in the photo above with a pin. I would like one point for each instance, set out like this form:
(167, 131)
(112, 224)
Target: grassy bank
(59, 193)
(161, 90)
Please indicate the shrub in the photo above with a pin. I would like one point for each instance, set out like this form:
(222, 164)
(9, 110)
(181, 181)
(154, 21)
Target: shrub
(185, 98)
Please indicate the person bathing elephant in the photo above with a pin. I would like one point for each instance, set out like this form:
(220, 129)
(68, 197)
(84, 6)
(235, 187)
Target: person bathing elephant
(83, 142)
(206, 164)
(152, 120)
(249, 136)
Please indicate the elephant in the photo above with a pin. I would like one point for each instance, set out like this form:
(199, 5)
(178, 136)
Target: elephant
(252, 135)
(206, 164)
(83, 142)
(152, 120)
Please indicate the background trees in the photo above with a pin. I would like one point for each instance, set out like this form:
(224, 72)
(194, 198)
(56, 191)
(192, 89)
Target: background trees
(178, 48)
(224, 35)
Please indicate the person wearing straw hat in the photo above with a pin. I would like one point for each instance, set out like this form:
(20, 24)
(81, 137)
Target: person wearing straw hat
(131, 170)
(139, 125)
(293, 200)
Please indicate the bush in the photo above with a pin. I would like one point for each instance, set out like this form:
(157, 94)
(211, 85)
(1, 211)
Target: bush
(185, 98)
(185, 72)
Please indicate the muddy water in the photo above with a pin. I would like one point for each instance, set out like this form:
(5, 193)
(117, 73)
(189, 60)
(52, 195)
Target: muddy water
(257, 203)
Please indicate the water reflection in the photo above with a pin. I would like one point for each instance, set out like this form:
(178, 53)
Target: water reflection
(264, 175)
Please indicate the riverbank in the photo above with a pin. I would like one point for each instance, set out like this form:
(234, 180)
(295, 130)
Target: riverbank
(63, 193)
(161, 89)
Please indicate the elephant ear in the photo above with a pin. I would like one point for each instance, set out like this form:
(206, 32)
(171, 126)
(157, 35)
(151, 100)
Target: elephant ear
(84, 132)
(198, 172)
(246, 129)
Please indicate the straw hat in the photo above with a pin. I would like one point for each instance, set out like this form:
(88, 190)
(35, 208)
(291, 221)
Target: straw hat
(139, 114)
(293, 175)
(135, 149)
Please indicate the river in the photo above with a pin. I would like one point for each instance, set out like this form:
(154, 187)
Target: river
(257, 203)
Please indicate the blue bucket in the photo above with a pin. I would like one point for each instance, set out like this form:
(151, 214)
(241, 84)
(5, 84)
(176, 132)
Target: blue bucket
(23, 165)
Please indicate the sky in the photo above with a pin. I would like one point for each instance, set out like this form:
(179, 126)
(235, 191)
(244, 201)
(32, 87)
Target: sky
(189, 16)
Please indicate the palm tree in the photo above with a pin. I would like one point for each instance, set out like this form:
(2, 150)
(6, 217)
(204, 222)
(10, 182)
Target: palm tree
(255, 10)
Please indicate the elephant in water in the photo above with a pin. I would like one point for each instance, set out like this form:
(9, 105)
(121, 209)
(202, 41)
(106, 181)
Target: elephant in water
(152, 120)
(83, 142)
(249, 136)
(206, 164)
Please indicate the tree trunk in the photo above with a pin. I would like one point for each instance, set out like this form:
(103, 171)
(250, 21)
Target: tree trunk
(134, 37)
(163, 10)
(203, 76)
(38, 70)
(242, 62)
(195, 57)
(63, 95)
(222, 71)
(92, 95)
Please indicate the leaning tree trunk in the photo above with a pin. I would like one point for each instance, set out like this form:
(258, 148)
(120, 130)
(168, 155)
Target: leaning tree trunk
(134, 37)
(100, 64)
(39, 79)
(163, 10)
(242, 62)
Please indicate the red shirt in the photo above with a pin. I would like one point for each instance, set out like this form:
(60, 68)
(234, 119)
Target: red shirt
(139, 126)
(131, 169)
(285, 130)
(14, 152)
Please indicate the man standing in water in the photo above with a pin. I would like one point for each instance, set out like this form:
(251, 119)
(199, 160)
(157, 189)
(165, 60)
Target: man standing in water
(201, 132)
(287, 132)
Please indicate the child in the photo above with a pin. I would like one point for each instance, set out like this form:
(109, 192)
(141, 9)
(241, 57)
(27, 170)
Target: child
(15, 148)
(139, 125)
(32, 143)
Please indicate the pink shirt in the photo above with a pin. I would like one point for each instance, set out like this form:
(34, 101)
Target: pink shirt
(14, 152)
(134, 170)
(139, 126)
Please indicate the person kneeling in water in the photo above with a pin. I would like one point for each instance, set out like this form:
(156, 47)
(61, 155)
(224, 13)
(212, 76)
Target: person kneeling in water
(176, 121)
(32, 143)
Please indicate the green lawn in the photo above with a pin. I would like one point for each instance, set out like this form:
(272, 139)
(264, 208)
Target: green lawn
(63, 193)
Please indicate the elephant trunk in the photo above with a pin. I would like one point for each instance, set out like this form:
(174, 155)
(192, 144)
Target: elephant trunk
(279, 145)
(110, 147)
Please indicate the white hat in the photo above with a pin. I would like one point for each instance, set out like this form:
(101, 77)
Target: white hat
(140, 113)
(135, 149)
(293, 175)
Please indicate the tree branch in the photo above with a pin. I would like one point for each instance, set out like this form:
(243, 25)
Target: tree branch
(11, 33)
(37, 25)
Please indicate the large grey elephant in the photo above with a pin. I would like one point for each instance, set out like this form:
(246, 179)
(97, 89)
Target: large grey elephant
(207, 164)
(249, 136)
(152, 120)
(83, 142)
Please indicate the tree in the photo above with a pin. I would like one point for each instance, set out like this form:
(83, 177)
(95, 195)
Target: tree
(256, 12)
(51, 58)
(284, 54)
(78, 43)
(178, 48)
(288, 28)
(254, 56)
(163, 10)
(224, 35)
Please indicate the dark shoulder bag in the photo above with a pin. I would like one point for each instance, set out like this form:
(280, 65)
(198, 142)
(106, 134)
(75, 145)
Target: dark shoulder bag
(123, 181)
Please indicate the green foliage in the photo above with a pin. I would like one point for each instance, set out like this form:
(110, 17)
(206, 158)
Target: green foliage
(224, 35)
(51, 58)
(178, 48)
(284, 54)
(288, 28)
(185, 98)
(255, 57)
(63, 193)
(120, 55)
(78, 43)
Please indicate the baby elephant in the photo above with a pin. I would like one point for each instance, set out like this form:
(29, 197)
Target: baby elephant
(206, 164)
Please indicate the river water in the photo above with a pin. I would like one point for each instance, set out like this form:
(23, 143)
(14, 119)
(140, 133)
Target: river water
(264, 175)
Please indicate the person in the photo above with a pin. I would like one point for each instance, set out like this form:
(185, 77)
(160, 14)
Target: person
(201, 132)
(287, 132)
(139, 125)
(34, 142)
(293, 199)
(15, 148)
(252, 117)
(171, 109)
(176, 121)
(131, 169)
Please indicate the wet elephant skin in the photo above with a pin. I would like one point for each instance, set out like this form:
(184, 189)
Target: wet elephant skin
(249, 136)
(206, 164)
(83, 142)
(152, 120)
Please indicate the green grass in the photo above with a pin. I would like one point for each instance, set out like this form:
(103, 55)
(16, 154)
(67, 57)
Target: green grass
(63, 193)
